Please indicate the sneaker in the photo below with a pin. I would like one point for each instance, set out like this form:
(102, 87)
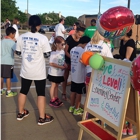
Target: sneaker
(59, 101)
(71, 109)
(78, 111)
(20, 116)
(55, 104)
(11, 94)
(130, 132)
(124, 132)
(3, 91)
(47, 119)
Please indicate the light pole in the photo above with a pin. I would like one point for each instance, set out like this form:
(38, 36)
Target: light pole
(99, 8)
(128, 5)
(27, 9)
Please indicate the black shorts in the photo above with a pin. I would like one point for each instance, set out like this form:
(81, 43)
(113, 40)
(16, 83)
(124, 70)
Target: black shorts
(55, 79)
(39, 84)
(7, 71)
(78, 87)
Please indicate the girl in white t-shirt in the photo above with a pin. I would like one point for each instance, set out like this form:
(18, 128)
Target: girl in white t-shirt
(96, 44)
(56, 70)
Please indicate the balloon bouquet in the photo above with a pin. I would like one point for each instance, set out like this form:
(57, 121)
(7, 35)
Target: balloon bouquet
(114, 23)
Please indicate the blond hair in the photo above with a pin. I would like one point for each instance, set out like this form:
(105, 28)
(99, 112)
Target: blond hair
(96, 38)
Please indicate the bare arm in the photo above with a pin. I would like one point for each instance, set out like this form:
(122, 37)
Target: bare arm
(129, 52)
(57, 66)
(63, 32)
(66, 50)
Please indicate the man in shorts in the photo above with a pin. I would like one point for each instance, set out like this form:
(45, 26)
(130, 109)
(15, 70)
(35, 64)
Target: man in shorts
(7, 61)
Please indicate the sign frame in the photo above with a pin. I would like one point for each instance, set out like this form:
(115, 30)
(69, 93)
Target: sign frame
(124, 114)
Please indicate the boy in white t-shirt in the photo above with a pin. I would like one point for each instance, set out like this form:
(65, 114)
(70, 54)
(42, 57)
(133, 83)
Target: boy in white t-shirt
(77, 76)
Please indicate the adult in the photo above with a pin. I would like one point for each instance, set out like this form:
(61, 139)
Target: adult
(127, 47)
(33, 46)
(60, 29)
(91, 29)
(75, 25)
(15, 26)
(71, 42)
(7, 24)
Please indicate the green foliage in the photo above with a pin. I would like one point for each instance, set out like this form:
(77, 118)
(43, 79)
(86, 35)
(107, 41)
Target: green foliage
(21, 16)
(43, 18)
(70, 20)
(8, 9)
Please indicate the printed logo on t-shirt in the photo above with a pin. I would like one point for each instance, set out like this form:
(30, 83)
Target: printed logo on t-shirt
(75, 55)
(30, 47)
(29, 58)
(94, 48)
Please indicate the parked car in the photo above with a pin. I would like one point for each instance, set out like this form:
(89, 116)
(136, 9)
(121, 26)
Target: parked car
(69, 29)
(45, 28)
(41, 31)
(51, 28)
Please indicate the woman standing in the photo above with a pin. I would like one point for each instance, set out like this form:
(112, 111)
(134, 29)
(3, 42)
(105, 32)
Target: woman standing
(71, 42)
(33, 46)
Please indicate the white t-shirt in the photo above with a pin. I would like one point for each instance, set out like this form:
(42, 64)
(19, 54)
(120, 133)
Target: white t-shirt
(32, 47)
(102, 47)
(57, 57)
(77, 68)
(59, 28)
(17, 33)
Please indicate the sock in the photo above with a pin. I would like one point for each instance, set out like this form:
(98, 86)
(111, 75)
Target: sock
(52, 100)
(8, 91)
(55, 98)
(1, 89)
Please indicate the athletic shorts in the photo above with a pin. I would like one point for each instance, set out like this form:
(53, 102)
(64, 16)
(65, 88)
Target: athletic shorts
(7, 71)
(55, 79)
(39, 84)
(78, 87)
(88, 75)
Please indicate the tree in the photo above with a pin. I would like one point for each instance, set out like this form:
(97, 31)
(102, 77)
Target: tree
(8, 9)
(54, 17)
(70, 20)
(43, 18)
(21, 16)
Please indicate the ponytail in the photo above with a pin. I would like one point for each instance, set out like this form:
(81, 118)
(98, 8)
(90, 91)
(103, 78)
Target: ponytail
(54, 47)
(33, 29)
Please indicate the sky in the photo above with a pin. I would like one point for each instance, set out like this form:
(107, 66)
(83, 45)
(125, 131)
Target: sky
(74, 8)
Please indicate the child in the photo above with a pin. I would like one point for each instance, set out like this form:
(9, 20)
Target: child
(77, 76)
(56, 70)
(7, 61)
(96, 45)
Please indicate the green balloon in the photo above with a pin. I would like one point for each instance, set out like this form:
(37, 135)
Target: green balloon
(96, 61)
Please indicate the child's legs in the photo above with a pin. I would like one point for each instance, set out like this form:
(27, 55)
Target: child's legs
(8, 83)
(6, 72)
(25, 86)
(78, 101)
(130, 126)
(72, 98)
(41, 99)
(2, 82)
(56, 91)
(52, 90)
(64, 85)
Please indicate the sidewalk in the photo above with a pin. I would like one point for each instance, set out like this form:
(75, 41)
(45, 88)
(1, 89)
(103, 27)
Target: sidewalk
(64, 126)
